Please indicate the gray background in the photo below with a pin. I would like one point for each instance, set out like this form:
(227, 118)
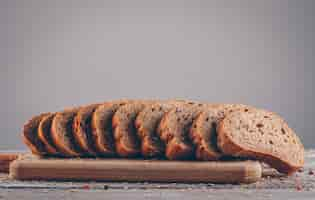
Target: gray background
(55, 54)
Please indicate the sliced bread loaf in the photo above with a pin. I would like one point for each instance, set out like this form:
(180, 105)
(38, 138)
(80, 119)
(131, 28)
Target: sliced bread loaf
(203, 130)
(44, 134)
(30, 135)
(125, 133)
(174, 131)
(261, 135)
(62, 134)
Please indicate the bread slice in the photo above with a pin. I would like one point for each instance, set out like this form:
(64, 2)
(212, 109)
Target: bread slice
(102, 129)
(125, 133)
(82, 129)
(147, 122)
(174, 131)
(261, 135)
(44, 134)
(203, 130)
(30, 136)
(62, 134)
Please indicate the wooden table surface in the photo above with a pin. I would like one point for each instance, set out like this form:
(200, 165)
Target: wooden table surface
(298, 186)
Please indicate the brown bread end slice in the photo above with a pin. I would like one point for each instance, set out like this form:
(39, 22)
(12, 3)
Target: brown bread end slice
(30, 136)
(261, 135)
(62, 134)
(44, 134)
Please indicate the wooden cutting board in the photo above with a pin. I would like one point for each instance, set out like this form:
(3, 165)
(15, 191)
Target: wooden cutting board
(135, 170)
(5, 160)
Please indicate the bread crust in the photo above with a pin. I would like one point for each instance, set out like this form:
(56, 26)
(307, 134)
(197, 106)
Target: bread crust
(82, 129)
(102, 129)
(277, 159)
(44, 134)
(126, 138)
(30, 136)
(203, 132)
(62, 134)
(174, 130)
(147, 122)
